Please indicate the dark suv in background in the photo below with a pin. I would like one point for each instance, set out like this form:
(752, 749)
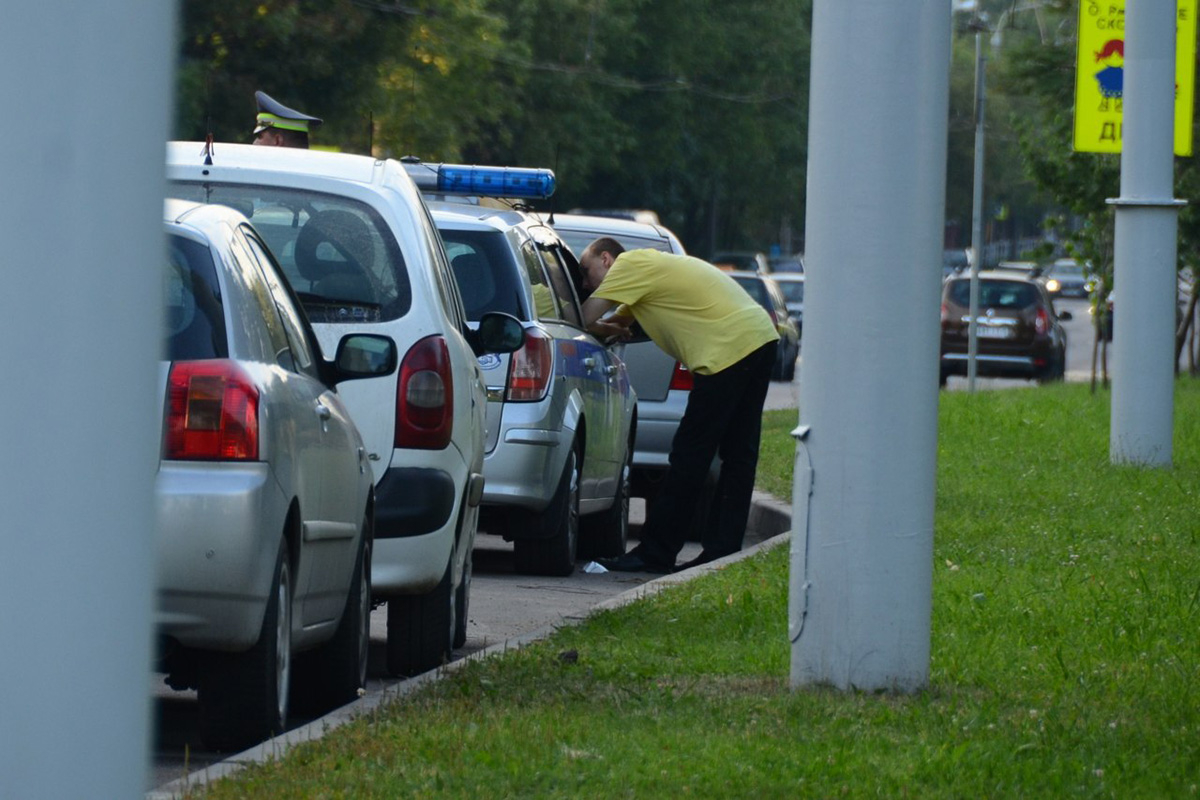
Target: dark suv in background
(1019, 334)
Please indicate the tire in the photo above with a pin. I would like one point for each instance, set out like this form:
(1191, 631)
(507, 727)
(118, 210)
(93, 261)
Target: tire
(421, 629)
(332, 675)
(606, 534)
(243, 697)
(555, 554)
(789, 372)
(462, 601)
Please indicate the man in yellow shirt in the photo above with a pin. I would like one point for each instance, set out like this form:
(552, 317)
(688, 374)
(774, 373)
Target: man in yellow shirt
(703, 318)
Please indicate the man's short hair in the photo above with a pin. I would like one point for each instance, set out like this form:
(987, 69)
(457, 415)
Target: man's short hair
(606, 244)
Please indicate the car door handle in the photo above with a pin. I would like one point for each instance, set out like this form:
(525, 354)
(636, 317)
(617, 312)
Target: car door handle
(610, 370)
(323, 412)
(589, 363)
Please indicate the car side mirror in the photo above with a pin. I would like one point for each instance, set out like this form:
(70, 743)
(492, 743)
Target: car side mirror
(364, 355)
(498, 333)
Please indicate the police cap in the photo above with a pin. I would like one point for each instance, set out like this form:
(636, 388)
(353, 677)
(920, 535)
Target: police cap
(273, 114)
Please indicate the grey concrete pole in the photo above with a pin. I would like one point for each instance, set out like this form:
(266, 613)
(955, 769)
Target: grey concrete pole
(977, 210)
(85, 93)
(1144, 278)
(862, 543)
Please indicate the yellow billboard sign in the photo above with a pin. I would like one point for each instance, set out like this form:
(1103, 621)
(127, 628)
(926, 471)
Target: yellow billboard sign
(1100, 72)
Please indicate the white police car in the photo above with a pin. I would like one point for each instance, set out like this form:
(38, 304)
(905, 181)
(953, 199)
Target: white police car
(355, 240)
(561, 410)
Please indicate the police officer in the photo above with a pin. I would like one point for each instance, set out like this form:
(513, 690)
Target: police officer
(280, 126)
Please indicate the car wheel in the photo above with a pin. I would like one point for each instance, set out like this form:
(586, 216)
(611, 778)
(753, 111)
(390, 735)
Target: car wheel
(332, 675)
(462, 601)
(243, 697)
(420, 628)
(555, 554)
(605, 535)
(789, 371)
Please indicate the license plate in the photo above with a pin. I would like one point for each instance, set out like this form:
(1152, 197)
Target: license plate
(984, 332)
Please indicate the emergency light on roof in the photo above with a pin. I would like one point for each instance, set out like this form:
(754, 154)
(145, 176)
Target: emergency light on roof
(481, 181)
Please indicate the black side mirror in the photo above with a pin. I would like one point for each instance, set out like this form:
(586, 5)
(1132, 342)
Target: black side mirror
(498, 333)
(364, 355)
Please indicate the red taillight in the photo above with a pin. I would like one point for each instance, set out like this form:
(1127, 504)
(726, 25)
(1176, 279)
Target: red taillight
(425, 396)
(1041, 322)
(945, 315)
(212, 412)
(530, 367)
(681, 378)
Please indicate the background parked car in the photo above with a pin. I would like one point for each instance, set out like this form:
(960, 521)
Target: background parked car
(356, 243)
(742, 260)
(662, 383)
(792, 286)
(561, 412)
(264, 495)
(767, 293)
(793, 263)
(1018, 333)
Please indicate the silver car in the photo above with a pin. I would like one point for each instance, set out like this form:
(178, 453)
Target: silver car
(264, 497)
(662, 383)
(561, 410)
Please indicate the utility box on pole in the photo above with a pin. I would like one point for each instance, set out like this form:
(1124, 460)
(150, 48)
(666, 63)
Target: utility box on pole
(862, 550)
(85, 89)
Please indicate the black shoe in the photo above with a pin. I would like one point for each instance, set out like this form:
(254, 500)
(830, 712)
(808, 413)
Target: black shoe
(703, 558)
(633, 562)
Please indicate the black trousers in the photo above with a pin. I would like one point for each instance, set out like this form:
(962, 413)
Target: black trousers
(723, 415)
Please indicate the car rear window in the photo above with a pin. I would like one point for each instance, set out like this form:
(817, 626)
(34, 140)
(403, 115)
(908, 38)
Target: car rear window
(487, 277)
(194, 321)
(579, 240)
(995, 294)
(338, 254)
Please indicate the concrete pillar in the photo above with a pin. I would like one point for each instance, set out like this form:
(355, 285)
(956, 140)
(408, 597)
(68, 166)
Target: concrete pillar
(861, 602)
(1144, 262)
(85, 90)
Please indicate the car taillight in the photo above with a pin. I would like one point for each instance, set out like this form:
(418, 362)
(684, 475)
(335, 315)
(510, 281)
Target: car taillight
(212, 412)
(681, 378)
(425, 396)
(1041, 322)
(530, 367)
(945, 315)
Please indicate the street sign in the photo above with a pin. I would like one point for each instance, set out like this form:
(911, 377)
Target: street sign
(1100, 73)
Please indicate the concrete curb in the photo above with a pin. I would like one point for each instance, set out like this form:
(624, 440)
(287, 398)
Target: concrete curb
(767, 527)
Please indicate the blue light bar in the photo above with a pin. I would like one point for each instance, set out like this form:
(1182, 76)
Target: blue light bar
(538, 184)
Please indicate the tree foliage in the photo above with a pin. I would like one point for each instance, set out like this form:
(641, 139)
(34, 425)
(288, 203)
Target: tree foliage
(693, 108)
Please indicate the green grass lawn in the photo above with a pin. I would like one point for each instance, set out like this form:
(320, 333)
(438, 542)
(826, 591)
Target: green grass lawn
(1065, 656)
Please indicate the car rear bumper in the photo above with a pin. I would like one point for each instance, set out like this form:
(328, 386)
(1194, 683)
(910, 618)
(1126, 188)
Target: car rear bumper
(219, 527)
(524, 468)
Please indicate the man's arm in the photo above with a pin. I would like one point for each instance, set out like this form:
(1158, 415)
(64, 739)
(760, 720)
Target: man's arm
(615, 325)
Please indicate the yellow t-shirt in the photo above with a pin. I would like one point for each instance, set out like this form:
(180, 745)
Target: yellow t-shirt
(691, 309)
